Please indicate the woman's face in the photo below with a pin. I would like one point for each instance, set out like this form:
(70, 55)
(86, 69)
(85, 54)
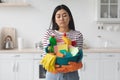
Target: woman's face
(62, 18)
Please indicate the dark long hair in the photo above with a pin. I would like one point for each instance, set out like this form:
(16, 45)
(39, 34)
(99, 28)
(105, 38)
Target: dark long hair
(54, 24)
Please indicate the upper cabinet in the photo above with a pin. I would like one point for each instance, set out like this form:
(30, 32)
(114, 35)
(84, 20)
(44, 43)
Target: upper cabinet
(12, 3)
(108, 11)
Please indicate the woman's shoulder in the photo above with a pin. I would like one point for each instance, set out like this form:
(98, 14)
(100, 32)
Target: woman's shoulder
(76, 32)
(50, 30)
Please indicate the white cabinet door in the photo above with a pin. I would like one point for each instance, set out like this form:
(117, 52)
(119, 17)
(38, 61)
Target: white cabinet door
(24, 70)
(108, 11)
(7, 70)
(108, 66)
(90, 70)
(118, 68)
(16, 67)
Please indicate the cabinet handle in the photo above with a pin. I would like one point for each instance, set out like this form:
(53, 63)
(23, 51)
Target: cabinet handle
(118, 66)
(17, 56)
(14, 67)
(110, 55)
(17, 67)
(84, 66)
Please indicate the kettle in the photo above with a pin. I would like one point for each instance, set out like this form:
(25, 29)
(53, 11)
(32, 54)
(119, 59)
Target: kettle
(8, 44)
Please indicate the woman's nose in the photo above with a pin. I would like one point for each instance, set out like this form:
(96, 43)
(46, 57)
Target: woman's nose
(61, 18)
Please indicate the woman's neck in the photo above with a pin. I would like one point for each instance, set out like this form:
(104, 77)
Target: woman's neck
(64, 30)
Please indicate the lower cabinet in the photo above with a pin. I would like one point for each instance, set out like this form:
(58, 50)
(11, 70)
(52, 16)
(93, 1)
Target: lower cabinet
(118, 69)
(100, 66)
(16, 67)
(25, 66)
(90, 70)
(25, 70)
(7, 70)
(110, 66)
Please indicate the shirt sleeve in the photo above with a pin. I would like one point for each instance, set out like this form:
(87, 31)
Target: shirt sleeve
(45, 40)
(79, 40)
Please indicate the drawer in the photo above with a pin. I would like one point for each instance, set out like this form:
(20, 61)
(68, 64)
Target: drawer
(109, 55)
(91, 55)
(16, 56)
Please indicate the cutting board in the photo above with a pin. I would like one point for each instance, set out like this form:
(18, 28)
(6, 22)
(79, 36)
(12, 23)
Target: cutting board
(8, 31)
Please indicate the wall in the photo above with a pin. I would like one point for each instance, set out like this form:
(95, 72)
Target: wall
(32, 22)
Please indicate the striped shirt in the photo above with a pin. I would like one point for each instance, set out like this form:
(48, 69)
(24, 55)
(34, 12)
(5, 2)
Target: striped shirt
(72, 35)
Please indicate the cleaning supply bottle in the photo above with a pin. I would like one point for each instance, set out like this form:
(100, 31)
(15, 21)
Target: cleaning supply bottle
(66, 39)
(53, 42)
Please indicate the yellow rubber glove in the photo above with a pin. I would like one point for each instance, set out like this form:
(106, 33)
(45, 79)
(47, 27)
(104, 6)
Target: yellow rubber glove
(44, 60)
(48, 62)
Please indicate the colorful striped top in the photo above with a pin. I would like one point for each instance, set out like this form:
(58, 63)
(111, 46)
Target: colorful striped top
(72, 35)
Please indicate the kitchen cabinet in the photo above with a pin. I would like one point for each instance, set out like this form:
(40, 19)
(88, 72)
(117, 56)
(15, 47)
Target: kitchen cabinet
(109, 66)
(108, 11)
(118, 75)
(90, 70)
(96, 66)
(16, 66)
(25, 65)
(118, 66)
(7, 70)
(100, 66)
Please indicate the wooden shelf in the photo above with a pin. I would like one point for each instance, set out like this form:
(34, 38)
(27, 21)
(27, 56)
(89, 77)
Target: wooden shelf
(14, 4)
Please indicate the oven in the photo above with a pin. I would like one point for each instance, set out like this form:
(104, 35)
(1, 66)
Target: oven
(39, 71)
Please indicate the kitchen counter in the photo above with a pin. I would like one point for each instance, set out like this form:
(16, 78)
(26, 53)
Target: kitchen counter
(90, 50)
(105, 50)
(29, 50)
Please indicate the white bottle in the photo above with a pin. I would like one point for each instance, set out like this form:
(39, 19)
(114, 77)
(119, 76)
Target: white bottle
(99, 42)
(20, 43)
(106, 44)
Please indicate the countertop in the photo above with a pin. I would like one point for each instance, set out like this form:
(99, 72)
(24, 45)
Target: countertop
(101, 50)
(89, 50)
(27, 50)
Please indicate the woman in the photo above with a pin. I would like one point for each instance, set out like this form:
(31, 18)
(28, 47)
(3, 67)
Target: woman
(62, 22)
